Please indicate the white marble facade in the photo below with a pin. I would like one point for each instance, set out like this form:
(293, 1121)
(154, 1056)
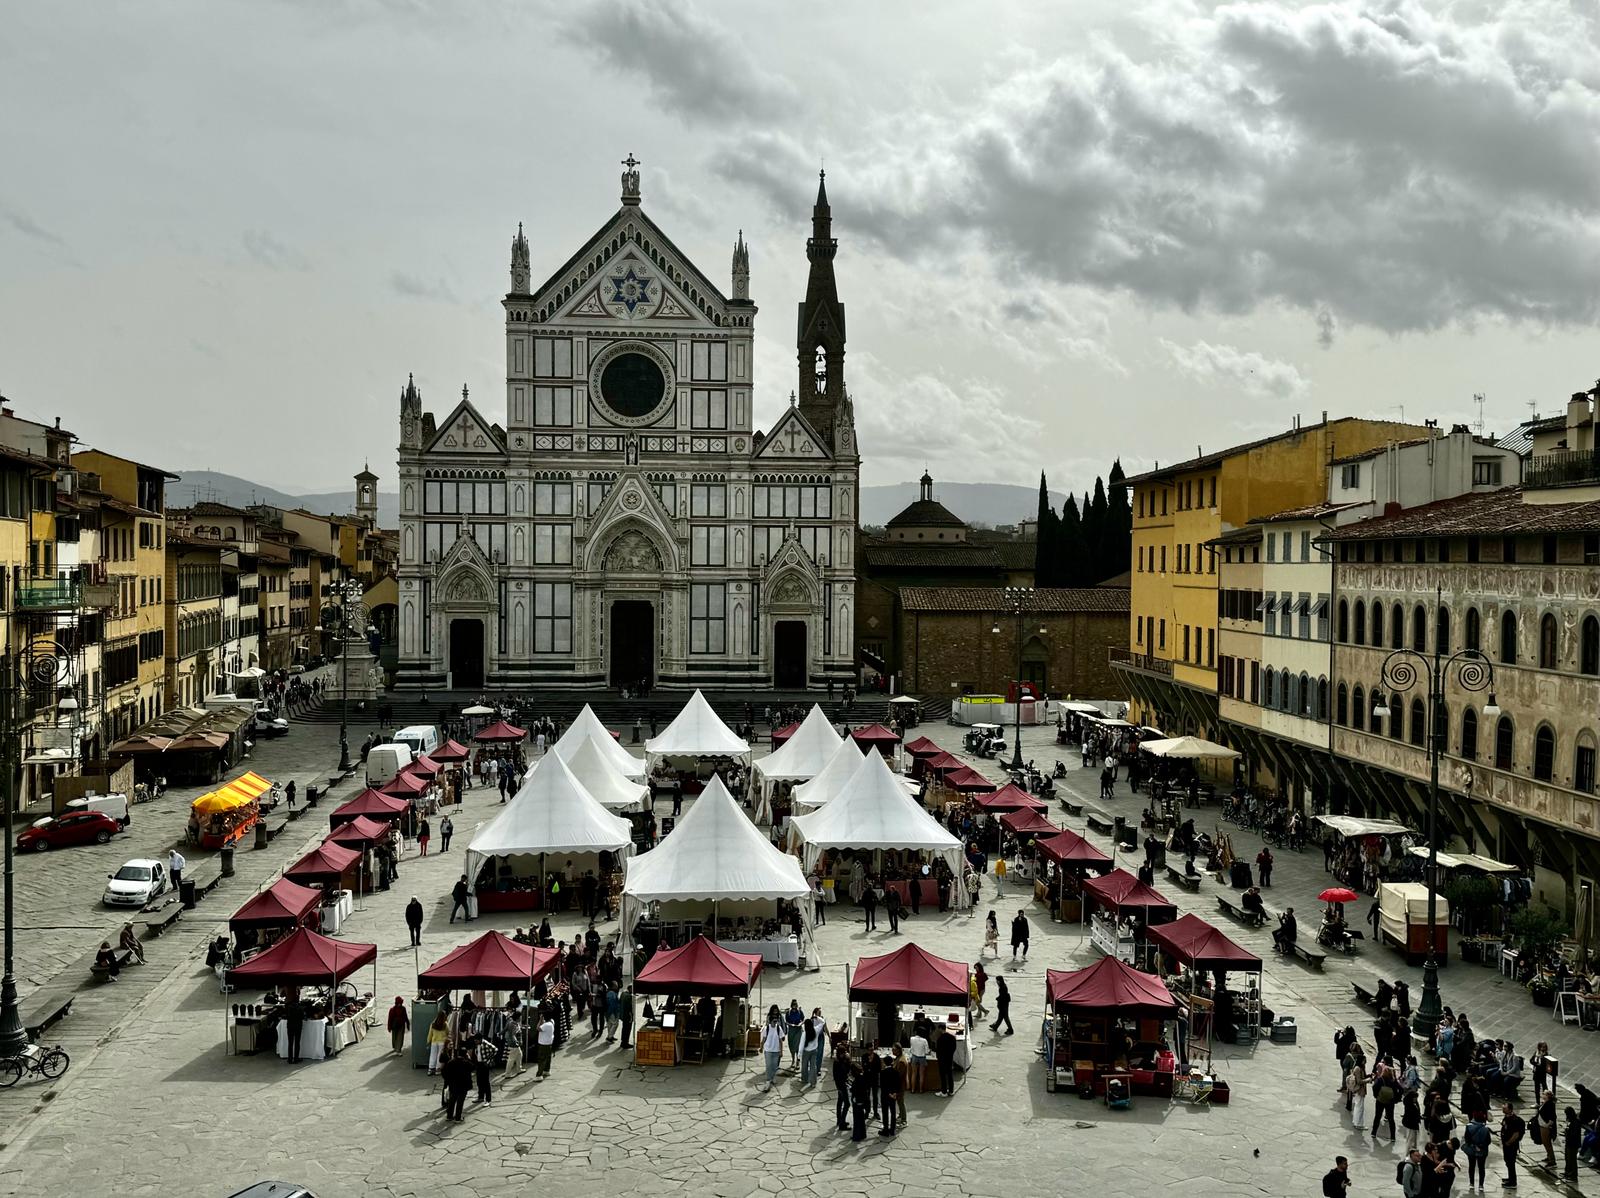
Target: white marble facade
(624, 522)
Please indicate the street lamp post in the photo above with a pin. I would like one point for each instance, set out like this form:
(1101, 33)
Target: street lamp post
(1401, 671)
(13, 1036)
(1016, 600)
(352, 613)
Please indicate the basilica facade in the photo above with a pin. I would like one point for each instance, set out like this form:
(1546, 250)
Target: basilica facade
(625, 523)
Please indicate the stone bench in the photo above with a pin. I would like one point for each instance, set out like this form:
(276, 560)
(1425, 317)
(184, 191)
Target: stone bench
(205, 878)
(1190, 882)
(1253, 918)
(274, 826)
(46, 1007)
(159, 920)
(1099, 822)
(1307, 954)
(1071, 808)
(1365, 997)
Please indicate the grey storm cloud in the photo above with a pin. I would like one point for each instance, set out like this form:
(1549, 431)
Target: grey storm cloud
(415, 287)
(694, 66)
(1376, 165)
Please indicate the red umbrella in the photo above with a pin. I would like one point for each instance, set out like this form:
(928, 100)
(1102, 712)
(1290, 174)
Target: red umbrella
(1338, 894)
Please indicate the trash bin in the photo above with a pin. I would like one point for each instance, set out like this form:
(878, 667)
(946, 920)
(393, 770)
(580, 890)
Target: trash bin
(225, 857)
(311, 796)
(261, 835)
(186, 892)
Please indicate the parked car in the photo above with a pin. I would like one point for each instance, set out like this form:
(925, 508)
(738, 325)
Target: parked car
(277, 727)
(135, 884)
(77, 827)
(114, 805)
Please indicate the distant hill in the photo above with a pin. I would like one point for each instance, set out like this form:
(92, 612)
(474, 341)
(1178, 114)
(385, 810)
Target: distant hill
(197, 485)
(976, 503)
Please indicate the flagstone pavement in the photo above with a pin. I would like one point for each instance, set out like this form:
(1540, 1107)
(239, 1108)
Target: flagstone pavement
(153, 1106)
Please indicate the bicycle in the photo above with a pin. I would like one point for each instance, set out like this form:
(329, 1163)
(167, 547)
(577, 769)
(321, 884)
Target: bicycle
(51, 1062)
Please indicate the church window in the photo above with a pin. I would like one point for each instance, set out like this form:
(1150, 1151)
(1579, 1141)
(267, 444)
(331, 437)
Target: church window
(599, 488)
(491, 539)
(707, 617)
(436, 538)
(708, 499)
(553, 499)
(552, 544)
(666, 490)
(708, 409)
(552, 405)
(708, 545)
(709, 361)
(552, 617)
(552, 358)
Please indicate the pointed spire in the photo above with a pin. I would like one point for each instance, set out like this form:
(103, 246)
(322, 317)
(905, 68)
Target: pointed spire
(741, 269)
(822, 189)
(463, 393)
(519, 263)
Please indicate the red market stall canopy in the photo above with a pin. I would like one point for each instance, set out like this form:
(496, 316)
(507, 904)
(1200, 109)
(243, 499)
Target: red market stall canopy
(1028, 823)
(304, 958)
(699, 967)
(1121, 891)
(1066, 846)
(359, 833)
(1200, 946)
(325, 863)
(1012, 797)
(141, 742)
(780, 735)
(1111, 986)
(451, 753)
(423, 767)
(968, 781)
(875, 736)
(373, 804)
(910, 974)
(284, 904)
(922, 747)
(500, 732)
(942, 762)
(493, 961)
(403, 786)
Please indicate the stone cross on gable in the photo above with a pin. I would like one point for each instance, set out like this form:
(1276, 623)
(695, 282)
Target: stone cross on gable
(793, 433)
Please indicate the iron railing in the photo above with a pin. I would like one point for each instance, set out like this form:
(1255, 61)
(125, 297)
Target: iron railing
(1561, 468)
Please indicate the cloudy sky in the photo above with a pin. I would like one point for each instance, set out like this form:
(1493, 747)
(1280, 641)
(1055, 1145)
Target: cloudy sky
(1067, 231)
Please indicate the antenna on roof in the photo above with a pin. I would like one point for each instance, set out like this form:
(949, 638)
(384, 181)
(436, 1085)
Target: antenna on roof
(1533, 409)
(1477, 398)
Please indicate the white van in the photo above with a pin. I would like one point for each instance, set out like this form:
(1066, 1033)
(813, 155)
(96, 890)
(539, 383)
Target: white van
(419, 738)
(114, 805)
(385, 761)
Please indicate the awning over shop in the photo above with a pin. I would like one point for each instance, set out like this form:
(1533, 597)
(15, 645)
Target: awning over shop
(1349, 825)
(1487, 865)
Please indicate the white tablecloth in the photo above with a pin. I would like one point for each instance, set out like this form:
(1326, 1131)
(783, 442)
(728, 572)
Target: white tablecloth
(1111, 940)
(334, 914)
(775, 952)
(866, 1029)
(313, 1040)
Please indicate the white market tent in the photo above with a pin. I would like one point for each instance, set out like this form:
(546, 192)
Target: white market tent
(552, 813)
(714, 854)
(1189, 748)
(832, 778)
(1350, 825)
(696, 731)
(873, 811)
(597, 774)
(802, 756)
(587, 726)
(477, 709)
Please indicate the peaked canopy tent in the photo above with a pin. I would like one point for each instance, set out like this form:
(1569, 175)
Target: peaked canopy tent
(493, 961)
(831, 779)
(922, 747)
(423, 767)
(876, 736)
(1072, 856)
(910, 974)
(325, 865)
(359, 833)
(1120, 908)
(937, 764)
(587, 726)
(1092, 1013)
(800, 758)
(284, 904)
(404, 786)
(715, 855)
(1204, 1006)
(477, 709)
(551, 813)
(451, 753)
(1200, 946)
(500, 733)
(1066, 847)
(301, 959)
(1011, 797)
(371, 804)
(780, 736)
(1028, 822)
(696, 731)
(598, 774)
(968, 781)
(699, 967)
(872, 813)
(1109, 986)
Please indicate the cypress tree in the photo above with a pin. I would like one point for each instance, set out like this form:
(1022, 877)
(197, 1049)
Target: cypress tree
(1119, 525)
(1073, 548)
(1099, 535)
(1044, 548)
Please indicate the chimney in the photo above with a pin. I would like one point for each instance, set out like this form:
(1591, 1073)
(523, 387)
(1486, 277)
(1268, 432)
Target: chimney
(1392, 508)
(1580, 412)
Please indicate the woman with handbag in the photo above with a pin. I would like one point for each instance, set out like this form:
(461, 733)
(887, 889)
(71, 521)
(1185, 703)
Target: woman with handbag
(1385, 1093)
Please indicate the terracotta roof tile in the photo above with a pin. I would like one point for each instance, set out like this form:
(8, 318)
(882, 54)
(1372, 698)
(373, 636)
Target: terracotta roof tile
(1488, 513)
(1044, 600)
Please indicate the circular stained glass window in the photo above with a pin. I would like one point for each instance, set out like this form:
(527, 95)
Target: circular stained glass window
(632, 385)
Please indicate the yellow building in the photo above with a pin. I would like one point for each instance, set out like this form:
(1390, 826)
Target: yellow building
(1170, 665)
(193, 619)
(133, 539)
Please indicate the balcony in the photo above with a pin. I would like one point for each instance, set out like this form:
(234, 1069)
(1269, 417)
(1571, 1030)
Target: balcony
(1563, 468)
(1149, 663)
(56, 592)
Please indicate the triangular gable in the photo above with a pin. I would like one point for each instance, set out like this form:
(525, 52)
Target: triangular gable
(793, 439)
(631, 501)
(465, 431)
(583, 287)
(465, 572)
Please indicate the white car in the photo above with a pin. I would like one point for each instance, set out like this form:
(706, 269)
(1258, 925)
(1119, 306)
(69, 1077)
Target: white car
(135, 884)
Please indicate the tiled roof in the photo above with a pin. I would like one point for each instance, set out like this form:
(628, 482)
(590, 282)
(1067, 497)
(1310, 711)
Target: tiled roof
(1310, 512)
(1345, 459)
(1488, 513)
(1016, 555)
(1044, 601)
(950, 556)
(926, 513)
(1211, 459)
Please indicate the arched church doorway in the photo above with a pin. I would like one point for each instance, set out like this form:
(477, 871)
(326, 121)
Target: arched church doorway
(789, 654)
(466, 654)
(633, 644)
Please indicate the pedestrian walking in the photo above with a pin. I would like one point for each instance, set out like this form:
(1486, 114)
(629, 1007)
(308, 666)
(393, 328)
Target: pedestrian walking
(1019, 936)
(289, 793)
(625, 1012)
(869, 904)
(445, 829)
(1385, 1093)
(1356, 1083)
(1002, 1012)
(991, 935)
(399, 1023)
(980, 987)
(458, 897)
(1412, 1174)
(794, 1026)
(1541, 1069)
(483, 1058)
(424, 834)
(414, 919)
(546, 1042)
(1411, 1118)
(841, 1085)
(1264, 863)
(892, 905)
(1512, 1129)
(1336, 1181)
(613, 1014)
(772, 1044)
(175, 867)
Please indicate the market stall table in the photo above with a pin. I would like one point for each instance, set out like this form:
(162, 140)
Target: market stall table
(699, 969)
(1108, 1018)
(909, 976)
(309, 959)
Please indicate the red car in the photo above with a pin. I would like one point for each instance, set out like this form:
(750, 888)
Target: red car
(78, 827)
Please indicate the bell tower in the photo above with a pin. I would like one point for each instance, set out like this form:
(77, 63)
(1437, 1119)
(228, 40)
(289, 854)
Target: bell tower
(367, 498)
(821, 327)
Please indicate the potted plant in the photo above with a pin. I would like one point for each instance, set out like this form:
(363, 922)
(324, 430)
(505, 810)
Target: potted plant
(1537, 930)
(1471, 901)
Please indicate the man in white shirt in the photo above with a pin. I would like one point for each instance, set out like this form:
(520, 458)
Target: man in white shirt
(175, 867)
(772, 1040)
(547, 1043)
(919, 1062)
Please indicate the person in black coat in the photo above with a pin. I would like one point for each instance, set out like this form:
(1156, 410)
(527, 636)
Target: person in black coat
(944, 1048)
(869, 904)
(842, 1070)
(457, 1073)
(860, 1096)
(1002, 1006)
(414, 919)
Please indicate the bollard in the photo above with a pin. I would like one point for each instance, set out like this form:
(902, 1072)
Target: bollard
(261, 835)
(226, 859)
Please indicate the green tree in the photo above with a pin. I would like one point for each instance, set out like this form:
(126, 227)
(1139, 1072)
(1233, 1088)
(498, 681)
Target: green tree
(1073, 549)
(1047, 548)
(1119, 525)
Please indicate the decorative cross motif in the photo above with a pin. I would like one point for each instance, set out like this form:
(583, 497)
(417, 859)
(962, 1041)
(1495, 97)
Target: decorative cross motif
(630, 161)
